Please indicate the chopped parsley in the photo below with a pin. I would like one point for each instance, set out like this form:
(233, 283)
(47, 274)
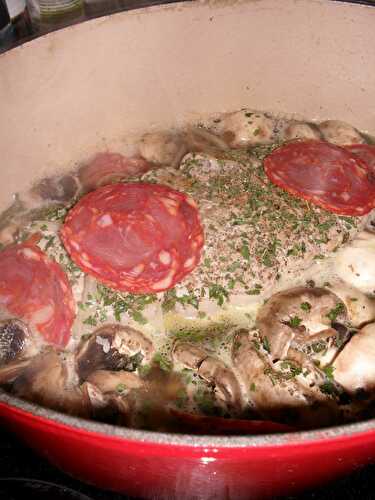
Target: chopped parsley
(144, 370)
(245, 252)
(254, 291)
(171, 299)
(319, 346)
(336, 311)
(122, 302)
(319, 257)
(162, 361)
(218, 292)
(273, 376)
(328, 370)
(294, 321)
(54, 213)
(328, 388)
(266, 344)
(256, 344)
(191, 335)
(50, 241)
(205, 401)
(90, 320)
(306, 306)
(292, 369)
(349, 221)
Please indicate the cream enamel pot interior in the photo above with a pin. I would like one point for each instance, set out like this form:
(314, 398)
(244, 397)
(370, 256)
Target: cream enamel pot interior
(89, 87)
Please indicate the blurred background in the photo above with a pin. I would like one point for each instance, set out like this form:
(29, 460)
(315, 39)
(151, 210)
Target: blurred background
(21, 20)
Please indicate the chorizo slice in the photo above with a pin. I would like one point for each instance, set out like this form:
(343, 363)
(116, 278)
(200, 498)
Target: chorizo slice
(106, 168)
(36, 289)
(327, 175)
(366, 152)
(135, 237)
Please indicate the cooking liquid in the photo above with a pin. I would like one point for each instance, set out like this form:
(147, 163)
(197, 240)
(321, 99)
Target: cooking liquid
(215, 327)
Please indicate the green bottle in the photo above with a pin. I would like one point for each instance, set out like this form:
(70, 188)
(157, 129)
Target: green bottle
(47, 15)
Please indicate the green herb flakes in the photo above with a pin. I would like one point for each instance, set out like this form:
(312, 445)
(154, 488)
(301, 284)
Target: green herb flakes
(328, 370)
(266, 344)
(336, 311)
(294, 321)
(162, 361)
(245, 252)
(122, 302)
(328, 388)
(218, 292)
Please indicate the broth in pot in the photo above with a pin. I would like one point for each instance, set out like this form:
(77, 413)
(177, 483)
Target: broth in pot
(216, 278)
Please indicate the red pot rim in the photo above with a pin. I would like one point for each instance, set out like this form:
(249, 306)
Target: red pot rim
(36, 412)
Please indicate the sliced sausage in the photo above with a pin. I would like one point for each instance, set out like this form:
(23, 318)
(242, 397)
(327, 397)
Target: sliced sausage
(366, 152)
(135, 237)
(36, 289)
(327, 175)
(106, 168)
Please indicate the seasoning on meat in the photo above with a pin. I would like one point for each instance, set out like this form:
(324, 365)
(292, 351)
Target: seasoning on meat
(135, 237)
(36, 289)
(255, 233)
(327, 175)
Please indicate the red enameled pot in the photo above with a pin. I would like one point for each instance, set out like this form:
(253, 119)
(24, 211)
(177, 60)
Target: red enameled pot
(84, 89)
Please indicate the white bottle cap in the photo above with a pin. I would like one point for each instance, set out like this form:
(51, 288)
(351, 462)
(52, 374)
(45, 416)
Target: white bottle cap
(15, 7)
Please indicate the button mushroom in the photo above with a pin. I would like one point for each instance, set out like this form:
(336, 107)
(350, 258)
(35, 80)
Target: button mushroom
(355, 263)
(163, 148)
(201, 140)
(17, 346)
(245, 127)
(256, 374)
(301, 130)
(354, 367)
(213, 370)
(121, 382)
(360, 308)
(107, 392)
(274, 389)
(60, 188)
(50, 380)
(113, 347)
(340, 133)
(298, 315)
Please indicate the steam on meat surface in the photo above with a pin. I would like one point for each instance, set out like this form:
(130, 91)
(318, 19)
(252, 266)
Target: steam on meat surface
(268, 327)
